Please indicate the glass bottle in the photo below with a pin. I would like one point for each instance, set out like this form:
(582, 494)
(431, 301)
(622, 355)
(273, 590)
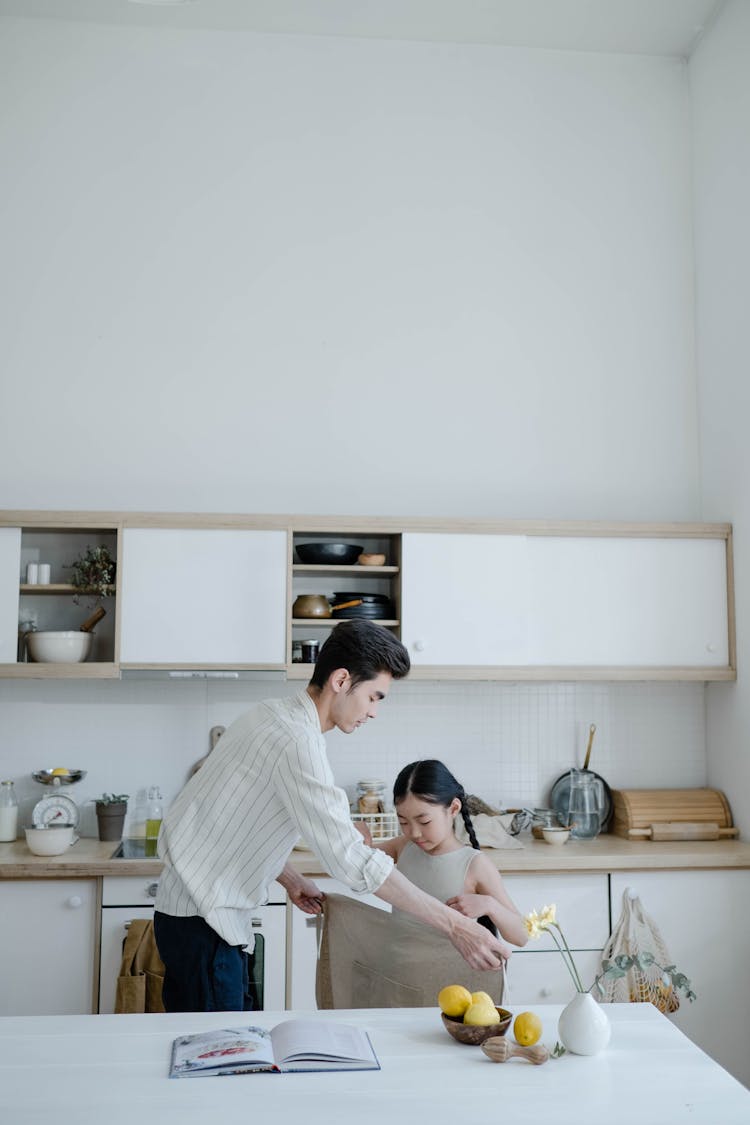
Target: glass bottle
(8, 812)
(153, 819)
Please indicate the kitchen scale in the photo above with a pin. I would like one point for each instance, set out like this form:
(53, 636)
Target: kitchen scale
(56, 809)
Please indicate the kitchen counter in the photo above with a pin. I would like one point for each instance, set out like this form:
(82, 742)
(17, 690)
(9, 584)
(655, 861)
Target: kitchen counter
(114, 1069)
(92, 858)
(87, 858)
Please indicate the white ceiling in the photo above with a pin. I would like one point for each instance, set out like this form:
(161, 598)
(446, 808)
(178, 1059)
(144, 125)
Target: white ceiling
(652, 27)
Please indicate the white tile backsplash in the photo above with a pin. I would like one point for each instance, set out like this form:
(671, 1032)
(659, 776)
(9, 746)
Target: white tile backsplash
(506, 742)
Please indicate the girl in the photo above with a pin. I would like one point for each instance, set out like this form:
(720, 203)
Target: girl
(428, 798)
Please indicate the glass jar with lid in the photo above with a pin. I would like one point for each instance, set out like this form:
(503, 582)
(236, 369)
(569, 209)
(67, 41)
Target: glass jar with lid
(370, 796)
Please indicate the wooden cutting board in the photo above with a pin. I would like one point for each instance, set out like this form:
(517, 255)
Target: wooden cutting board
(671, 814)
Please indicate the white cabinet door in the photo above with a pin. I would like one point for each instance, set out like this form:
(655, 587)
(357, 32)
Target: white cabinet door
(627, 602)
(464, 599)
(304, 937)
(10, 570)
(203, 597)
(703, 919)
(549, 601)
(48, 947)
(582, 903)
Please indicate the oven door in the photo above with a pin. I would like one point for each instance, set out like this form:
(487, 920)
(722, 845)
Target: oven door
(267, 966)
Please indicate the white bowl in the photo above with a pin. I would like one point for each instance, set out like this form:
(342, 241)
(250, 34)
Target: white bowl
(70, 646)
(556, 835)
(50, 841)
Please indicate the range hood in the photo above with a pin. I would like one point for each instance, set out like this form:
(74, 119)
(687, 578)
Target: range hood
(183, 674)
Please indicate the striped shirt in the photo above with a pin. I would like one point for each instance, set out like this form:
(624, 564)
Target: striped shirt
(230, 831)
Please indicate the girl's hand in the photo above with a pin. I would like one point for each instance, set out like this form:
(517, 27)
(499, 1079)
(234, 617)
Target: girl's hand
(471, 906)
(364, 829)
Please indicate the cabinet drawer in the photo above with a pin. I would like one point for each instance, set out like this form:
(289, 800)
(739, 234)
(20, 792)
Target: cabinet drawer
(140, 890)
(582, 903)
(542, 978)
(129, 890)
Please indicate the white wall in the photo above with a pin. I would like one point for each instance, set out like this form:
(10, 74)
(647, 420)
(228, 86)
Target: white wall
(720, 98)
(266, 273)
(505, 742)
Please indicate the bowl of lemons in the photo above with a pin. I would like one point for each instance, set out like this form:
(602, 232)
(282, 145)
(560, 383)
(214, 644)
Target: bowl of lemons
(471, 1017)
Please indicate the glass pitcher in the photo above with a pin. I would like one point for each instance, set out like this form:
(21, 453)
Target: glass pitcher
(585, 804)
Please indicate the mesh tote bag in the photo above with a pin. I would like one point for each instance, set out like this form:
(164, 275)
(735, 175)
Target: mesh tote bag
(638, 965)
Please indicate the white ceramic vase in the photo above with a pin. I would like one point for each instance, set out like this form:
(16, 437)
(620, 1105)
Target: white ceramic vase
(584, 1026)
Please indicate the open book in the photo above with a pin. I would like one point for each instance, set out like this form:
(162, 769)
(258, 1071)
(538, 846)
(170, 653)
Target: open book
(290, 1046)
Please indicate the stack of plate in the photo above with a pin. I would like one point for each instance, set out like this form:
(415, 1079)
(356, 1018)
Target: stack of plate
(375, 606)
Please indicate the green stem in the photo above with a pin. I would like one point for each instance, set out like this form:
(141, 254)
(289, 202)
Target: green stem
(567, 959)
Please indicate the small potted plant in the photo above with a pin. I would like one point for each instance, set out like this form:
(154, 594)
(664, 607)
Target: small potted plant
(110, 814)
(93, 575)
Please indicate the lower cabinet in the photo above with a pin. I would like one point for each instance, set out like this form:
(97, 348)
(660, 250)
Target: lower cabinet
(537, 973)
(702, 917)
(48, 946)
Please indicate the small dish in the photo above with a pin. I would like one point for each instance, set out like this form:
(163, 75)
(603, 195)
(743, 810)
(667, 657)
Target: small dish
(556, 835)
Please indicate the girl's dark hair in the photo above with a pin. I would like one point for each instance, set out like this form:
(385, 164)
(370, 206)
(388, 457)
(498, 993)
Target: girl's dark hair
(432, 781)
(364, 649)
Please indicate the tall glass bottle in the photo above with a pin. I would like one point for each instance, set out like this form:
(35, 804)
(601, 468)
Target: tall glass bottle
(8, 812)
(153, 819)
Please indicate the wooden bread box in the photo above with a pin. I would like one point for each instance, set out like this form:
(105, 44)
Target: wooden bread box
(671, 814)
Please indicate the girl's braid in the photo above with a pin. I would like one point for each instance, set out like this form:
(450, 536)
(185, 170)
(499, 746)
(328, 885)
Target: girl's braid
(468, 824)
(484, 920)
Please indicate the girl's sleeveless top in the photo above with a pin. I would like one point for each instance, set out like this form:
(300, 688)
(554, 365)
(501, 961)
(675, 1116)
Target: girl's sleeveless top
(441, 876)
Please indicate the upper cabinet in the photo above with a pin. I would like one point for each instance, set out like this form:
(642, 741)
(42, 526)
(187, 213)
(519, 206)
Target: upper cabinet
(464, 599)
(367, 584)
(628, 603)
(604, 605)
(203, 597)
(470, 599)
(38, 595)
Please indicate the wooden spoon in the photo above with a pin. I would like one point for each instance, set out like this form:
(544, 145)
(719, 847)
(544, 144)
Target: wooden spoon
(500, 1050)
(592, 732)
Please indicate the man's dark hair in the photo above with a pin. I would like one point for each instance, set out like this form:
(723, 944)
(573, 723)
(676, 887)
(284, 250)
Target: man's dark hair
(364, 649)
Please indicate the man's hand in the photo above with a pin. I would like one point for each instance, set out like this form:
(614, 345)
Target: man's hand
(477, 945)
(302, 891)
(307, 896)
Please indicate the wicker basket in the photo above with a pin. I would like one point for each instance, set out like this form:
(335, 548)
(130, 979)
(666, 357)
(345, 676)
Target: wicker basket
(382, 826)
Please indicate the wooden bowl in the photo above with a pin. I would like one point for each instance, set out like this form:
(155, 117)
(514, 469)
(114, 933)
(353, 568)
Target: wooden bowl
(367, 559)
(465, 1033)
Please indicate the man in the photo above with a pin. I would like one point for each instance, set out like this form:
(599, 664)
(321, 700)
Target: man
(231, 830)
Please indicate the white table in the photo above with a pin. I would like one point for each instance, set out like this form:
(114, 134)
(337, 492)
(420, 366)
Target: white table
(107, 1070)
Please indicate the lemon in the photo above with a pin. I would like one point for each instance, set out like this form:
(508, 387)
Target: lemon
(454, 999)
(527, 1028)
(60, 772)
(481, 1014)
(482, 998)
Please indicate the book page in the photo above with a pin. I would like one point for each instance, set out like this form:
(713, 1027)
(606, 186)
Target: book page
(224, 1051)
(317, 1041)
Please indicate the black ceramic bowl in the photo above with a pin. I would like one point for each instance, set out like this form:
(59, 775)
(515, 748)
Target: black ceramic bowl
(333, 554)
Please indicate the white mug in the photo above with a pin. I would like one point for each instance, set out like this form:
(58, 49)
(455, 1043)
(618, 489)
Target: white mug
(44, 574)
(32, 574)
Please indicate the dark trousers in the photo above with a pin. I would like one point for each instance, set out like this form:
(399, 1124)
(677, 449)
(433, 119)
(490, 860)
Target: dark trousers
(202, 972)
